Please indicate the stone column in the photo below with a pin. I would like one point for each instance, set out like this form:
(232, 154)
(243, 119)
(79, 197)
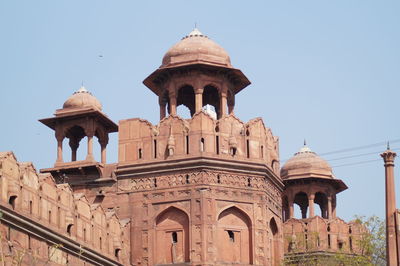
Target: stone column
(172, 102)
(291, 208)
(333, 206)
(60, 150)
(223, 104)
(198, 99)
(162, 104)
(89, 156)
(74, 144)
(230, 109)
(162, 111)
(311, 198)
(303, 211)
(103, 153)
(231, 104)
(60, 137)
(323, 211)
(391, 239)
(329, 207)
(103, 141)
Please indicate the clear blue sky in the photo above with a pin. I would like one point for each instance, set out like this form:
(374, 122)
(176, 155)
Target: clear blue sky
(327, 71)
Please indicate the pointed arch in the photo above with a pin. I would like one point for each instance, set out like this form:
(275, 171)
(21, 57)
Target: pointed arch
(234, 233)
(211, 96)
(186, 97)
(236, 207)
(172, 236)
(301, 199)
(322, 200)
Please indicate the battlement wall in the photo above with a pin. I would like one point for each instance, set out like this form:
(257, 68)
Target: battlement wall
(176, 138)
(37, 199)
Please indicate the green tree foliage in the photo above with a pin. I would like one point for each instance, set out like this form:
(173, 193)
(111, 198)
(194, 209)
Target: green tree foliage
(373, 242)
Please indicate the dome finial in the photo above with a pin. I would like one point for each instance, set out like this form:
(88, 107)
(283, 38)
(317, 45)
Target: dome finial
(195, 32)
(388, 146)
(305, 148)
(82, 89)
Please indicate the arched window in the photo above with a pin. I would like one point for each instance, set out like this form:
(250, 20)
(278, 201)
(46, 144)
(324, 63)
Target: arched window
(69, 229)
(202, 148)
(12, 201)
(117, 253)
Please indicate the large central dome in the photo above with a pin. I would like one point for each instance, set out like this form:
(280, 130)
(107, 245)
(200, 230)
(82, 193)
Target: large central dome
(196, 48)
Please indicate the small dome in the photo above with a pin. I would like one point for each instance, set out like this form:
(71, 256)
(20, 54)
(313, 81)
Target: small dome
(196, 48)
(82, 98)
(306, 163)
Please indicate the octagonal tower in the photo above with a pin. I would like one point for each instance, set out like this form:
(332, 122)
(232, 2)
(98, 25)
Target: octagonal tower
(204, 190)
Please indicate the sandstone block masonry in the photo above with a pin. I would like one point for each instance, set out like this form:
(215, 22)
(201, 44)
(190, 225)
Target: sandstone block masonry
(44, 222)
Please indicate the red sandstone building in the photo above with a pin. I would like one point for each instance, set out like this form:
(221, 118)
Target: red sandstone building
(207, 190)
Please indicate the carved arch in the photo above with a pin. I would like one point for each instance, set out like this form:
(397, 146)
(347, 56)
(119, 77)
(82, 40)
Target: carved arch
(234, 206)
(172, 206)
(185, 95)
(172, 236)
(234, 236)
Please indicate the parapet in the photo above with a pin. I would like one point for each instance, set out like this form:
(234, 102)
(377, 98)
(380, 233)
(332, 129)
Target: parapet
(319, 235)
(39, 201)
(175, 138)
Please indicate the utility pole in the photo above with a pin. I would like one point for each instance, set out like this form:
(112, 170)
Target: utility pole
(391, 238)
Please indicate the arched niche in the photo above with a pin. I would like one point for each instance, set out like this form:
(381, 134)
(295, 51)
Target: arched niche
(274, 242)
(172, 237)
(234, 243)
(186, 97)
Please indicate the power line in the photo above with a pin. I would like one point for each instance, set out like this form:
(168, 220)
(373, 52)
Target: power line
(355, 163)
(359, 155)
(354, 148)
(360, 147)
